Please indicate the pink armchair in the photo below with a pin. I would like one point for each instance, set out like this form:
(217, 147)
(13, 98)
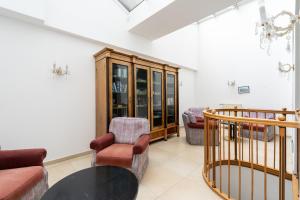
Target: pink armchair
(126, 145)
(22, 175)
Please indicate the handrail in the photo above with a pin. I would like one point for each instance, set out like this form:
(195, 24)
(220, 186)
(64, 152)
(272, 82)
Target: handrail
(235, 152)
(283, 111)
(268, 122)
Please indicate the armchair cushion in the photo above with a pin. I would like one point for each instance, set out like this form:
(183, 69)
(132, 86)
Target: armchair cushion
(197, 111)
(116, 155)
(127, 129)
(102, 142)
(192, 117)
(197, 125)
(21, 158)
(141, 144)
(16, 182)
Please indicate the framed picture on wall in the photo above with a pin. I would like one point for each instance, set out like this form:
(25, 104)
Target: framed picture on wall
(244, 89)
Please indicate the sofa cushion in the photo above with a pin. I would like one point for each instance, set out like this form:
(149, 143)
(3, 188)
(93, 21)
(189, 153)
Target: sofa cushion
(14, 183)
(116, 155)
(259, 128)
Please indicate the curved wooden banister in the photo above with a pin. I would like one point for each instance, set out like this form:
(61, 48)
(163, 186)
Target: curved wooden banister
(261, 121)
(230, 123)
(283, 111)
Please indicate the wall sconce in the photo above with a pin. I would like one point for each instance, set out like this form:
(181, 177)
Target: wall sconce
(285, 67)
(59, 71)
(231, 83)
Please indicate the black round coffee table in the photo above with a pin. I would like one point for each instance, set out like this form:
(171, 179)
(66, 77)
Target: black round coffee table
(100, 183)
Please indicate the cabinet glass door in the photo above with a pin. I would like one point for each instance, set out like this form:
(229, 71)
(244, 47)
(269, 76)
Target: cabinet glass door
(119, 90)
(157, 95)
(170, 99)
(141, 92)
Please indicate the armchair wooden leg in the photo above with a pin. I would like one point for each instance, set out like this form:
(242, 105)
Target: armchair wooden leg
(178, 131)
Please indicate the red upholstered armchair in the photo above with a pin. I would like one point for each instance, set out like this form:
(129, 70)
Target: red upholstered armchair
(125, 146)
(22, 175)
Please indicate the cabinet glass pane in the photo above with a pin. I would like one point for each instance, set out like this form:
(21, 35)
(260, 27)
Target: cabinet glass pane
(170, 98)
(120, 90)
(157, 99)
(141, 97)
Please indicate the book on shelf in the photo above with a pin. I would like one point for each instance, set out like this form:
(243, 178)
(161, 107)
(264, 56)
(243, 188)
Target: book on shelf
(141, 81)
(119, 87)
(141, 105)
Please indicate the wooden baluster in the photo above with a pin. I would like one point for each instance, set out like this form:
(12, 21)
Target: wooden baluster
(205, 146)
(213, 144)
(223, 137)
(282, 158)
(242, 137)
(256, 137)
(274, 133)
(249, 129)
(208, 145)
(265, 162)
(239, 161)
(298, 150)
(235, 135)
(229, 131)
(298, 158)
(252, 160)
(220, 154)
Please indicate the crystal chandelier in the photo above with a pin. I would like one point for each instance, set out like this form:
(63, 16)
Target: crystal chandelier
(269, 29)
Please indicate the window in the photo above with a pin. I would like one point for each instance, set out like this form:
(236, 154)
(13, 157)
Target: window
(130, 4)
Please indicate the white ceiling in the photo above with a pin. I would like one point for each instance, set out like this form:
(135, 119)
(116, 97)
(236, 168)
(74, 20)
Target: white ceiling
(176, 15)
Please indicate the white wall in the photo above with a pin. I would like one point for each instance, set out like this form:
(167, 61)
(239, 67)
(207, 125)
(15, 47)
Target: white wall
(180, 46)
(187, 96)
(297, 58)
(38, 110)
(103, 21)
(229, 50)
(32, 8)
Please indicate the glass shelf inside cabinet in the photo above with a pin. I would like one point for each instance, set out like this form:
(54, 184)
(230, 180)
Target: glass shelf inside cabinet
(141, 97)
(120, 90)
(170, 98)
(157, 99)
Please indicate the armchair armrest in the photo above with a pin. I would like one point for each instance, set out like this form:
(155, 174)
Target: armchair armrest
(141, 144)
(102, 142)
(200, 119)
(198, 125)
(21, 158)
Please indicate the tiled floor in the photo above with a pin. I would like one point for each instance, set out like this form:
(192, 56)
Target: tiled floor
(174, 172)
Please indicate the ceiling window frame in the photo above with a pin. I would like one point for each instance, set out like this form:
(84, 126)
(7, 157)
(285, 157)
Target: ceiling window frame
(126, 8)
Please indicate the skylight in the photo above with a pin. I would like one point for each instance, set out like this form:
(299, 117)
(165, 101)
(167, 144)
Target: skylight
(130, 4)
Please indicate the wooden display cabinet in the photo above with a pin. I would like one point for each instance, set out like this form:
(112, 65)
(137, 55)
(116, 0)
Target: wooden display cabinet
(130, 86)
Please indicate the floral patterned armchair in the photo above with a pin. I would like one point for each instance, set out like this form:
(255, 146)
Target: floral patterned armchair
(126, 145)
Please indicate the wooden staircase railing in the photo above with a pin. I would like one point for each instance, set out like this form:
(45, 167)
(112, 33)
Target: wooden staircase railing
(240, 137)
